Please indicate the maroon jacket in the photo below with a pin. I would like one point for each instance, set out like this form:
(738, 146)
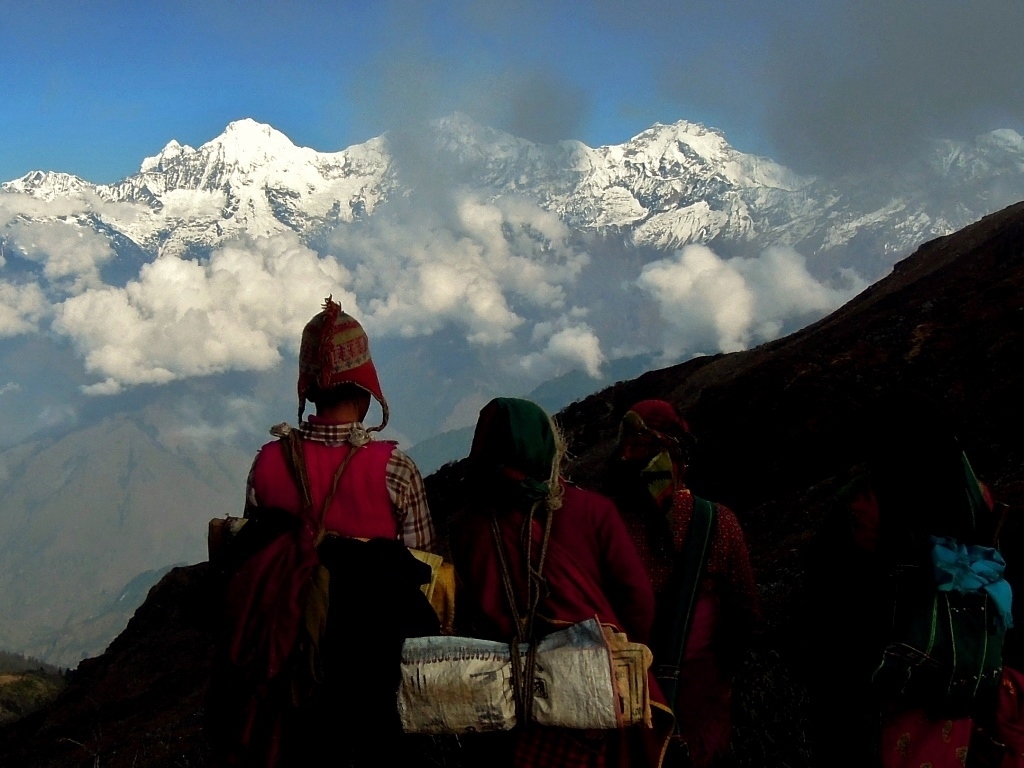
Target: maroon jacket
(592, 569)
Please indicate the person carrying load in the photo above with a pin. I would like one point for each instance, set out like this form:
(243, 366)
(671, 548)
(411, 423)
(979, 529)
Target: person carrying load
(536, 554)
(908, 585)
(325, 589)
(695, 553)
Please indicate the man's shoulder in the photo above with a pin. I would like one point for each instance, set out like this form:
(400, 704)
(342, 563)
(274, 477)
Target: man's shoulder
(720, 509)
(726, 519)
(383, 446)
(269, 451)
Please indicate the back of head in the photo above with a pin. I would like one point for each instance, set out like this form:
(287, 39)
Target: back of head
(334, 357)
(516, 452)
(651, 456)
(652, 426)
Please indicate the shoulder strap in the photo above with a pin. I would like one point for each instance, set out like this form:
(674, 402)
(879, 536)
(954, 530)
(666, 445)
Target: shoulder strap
(296, 461)
(690, 567)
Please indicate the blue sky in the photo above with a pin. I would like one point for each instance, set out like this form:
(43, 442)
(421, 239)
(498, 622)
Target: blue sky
(92, 88)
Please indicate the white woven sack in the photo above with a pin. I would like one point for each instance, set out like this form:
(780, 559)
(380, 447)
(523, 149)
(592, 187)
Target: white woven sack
(573, 679)
(455, 685)
(462, 685)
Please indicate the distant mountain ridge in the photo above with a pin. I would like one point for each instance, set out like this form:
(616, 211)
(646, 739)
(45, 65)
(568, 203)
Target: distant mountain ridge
(668, 186)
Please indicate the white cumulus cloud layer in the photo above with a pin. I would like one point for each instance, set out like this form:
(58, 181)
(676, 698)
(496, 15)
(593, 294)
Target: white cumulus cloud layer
(480, 265)
(501, 272)
(181, 317)
(566, 343)
(70, 255)
(710, 304)
(21, 308)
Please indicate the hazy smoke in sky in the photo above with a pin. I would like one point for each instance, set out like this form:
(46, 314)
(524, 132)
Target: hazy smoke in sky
(542, 108)
(820, 86)
(825, 89)
(854, 84)
(414, 80)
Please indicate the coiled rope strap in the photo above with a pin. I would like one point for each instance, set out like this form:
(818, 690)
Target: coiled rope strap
(522, 674)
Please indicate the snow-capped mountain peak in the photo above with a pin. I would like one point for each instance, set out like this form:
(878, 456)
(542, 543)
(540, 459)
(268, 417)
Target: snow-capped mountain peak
(670, 185)
(48, 185)
(166, 157)
(667, 149)
(250, 179)
(1005, 138)
(249, 145)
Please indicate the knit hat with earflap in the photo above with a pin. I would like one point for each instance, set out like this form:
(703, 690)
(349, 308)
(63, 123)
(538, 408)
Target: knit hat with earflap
(334, 351)
(656, 440)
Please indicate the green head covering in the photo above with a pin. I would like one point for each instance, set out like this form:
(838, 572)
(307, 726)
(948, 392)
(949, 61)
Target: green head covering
(514, 440)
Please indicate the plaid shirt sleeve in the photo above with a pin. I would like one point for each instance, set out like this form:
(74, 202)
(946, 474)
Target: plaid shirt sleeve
(405, 485)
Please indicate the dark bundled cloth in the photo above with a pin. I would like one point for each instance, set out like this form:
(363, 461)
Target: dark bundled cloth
(876, 607)
(345, 704)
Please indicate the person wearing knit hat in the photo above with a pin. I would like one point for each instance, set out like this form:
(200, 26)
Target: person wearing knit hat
(345, 498)
(648, 472)
(334, 358)
(381, 493)
(535, 553)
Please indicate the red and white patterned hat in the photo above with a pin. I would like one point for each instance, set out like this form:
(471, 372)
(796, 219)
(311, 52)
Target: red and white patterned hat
(335, 350)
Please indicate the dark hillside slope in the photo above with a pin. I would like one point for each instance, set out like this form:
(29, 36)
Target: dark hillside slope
(776, 428)
(779, 426)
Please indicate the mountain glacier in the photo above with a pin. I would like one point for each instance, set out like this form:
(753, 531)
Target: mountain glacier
(669, 186)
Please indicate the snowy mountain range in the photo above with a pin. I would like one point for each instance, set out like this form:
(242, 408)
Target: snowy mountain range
(668, 186)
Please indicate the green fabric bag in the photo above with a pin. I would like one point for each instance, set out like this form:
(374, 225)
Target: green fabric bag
(945, 649)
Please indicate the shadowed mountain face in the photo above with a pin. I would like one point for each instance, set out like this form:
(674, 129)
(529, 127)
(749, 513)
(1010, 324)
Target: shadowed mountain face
(81, 517)
(782, 427)
(779, 429)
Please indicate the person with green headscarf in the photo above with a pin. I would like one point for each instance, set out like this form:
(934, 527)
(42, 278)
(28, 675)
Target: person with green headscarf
(534, 554)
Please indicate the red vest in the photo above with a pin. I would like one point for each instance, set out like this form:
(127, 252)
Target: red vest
(361, 507)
